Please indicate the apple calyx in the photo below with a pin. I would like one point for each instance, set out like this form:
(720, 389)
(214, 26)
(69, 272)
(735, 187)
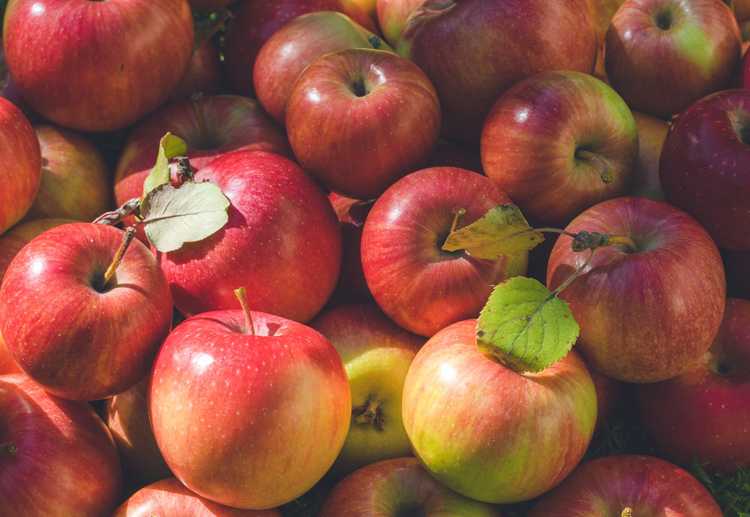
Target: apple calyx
(627, 512)
(603, 166)
(241, 295)
(428, 11)
(370, 413)
(109, 274)
(8, 448)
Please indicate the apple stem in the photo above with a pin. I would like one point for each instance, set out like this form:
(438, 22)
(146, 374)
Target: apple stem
(119, 254)
(603, 166)
(8, 448)
(627, 512)
(115, 217)
(457, 218)
(241, 295)
(554, 230)
(582, 269)
(369, 413)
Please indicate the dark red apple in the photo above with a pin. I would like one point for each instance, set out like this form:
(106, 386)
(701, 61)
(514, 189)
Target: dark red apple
(360, 119)
(351, 213)
(249, 410)
(204, 73)
(652, 42)
(647, 312)
(393, 16)
(57, 458)
(628, 486)
(77, 335)
(703, 170)
(652, 132)
(282, 242)
(419, 286)
(474, 50)
(558, 143)
(93, 65)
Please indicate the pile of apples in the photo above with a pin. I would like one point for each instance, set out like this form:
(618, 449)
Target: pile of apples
(314, 327)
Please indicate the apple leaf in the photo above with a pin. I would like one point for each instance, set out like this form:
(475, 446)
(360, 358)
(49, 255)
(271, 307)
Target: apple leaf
(170, 146)
(526, 326)
(503, 230)
(189, 213)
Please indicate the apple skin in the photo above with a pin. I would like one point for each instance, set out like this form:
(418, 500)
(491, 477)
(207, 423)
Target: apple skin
(702, 415)
(458, 401)
(204, 74)
(398, 487)
(376, 356)
(297, 45)
(7, 364)
(119, 60)
(76, 339)
(474, 50)
(536, 127)
(648, 315)
(393, 15)
(20, 165)
(20, 235)
(65, 461)
(701, 46)
(419, 286)
(248, 421)
(394, 120)
(75, 182)
(652, 132)
(702, 166)
(351, 213)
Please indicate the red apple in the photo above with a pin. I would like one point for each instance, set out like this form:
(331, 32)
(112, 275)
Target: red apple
(474, 50)
(351, 213)
(20, 165)
(358, 8)
(393, 16)
(491, 433)
(56, 456)
(362, 103)
(75, 182)
(703, 168)
(419, 286)
(398, 487)
(652, 132)
(77, 335)
(169, 498)
(7, 364)
(558, 143)
(282, 242)
(652, 42)
(628, 485)
(702, 415)
(97, 66)
(8, 88)
(249, 410)
(647, 312)
(297, 45)
(204, 73)
(376, 355)
(20, 235)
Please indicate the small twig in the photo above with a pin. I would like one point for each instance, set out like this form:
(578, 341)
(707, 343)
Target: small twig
(115, 217)
(126, 240)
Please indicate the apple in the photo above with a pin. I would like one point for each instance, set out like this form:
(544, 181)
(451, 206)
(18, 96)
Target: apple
(702, 166)
(742, 10)
(609, 396)
(249, 409)
(297, 45)
(7, 364)
(255, 21)
(488, 432)
(737, 265)
(701, 415)
(78, 335)
(20, 165)
(603, 12)
(204, 73)
(75, 182)
(20, 235)
(474, 50)
(366, 7)
(628, 485)
(126, 416)
(653, 41)
(390, 114)
(8, 88)
(169, 498)
(376, 355)
(558, 143)
(351, 214)
(652, 132)
(648, 311)
(398, 487)
(393, 16)
(282, 242)
(97, 66)
(56, 456)
(419, 286)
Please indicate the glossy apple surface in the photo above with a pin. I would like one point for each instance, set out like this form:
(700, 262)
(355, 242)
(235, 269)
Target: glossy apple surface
(419, 286)
(398, 487)
(490, 433)
(249, 418)
(702, 166)
(642, 484)
(97, 66)
(653, 41)
(57, 458)
(351, 213)
(649, 313)
(652, 132)
(376, 355)
(558, 143)
(358, 103)
(393, 16)
(78, 338)
(204, 73)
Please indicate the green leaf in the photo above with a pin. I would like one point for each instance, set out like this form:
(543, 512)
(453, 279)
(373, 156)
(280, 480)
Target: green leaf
(503, 230)
(173, 216)
(526, 326)
(170, 147)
